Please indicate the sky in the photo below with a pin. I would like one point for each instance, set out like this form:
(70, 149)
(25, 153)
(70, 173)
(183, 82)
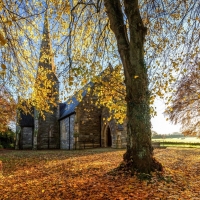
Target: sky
(159, 122)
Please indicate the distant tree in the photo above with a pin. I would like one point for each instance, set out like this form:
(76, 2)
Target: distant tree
(7, 138)
(154, 133)
(176, 133)
(7, 108)
(186, 102)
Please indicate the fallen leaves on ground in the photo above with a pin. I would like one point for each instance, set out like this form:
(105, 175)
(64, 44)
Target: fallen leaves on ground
(85, 175)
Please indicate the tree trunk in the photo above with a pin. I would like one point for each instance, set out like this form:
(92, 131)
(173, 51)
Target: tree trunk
(139, 154)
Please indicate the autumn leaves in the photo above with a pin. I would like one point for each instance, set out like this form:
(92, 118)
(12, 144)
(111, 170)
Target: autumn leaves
(86, 175)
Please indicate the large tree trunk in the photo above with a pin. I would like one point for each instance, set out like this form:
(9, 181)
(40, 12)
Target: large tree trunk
(139, 154)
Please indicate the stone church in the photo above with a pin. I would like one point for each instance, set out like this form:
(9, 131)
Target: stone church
(69, 126)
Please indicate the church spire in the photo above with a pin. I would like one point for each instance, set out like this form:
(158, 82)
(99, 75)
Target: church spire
(46, 54)
(46, 128)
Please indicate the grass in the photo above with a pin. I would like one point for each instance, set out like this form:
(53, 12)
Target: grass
(190, 142)
(180, 145)
(180, 139)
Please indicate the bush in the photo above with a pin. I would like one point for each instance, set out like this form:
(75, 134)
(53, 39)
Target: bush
(7, 139)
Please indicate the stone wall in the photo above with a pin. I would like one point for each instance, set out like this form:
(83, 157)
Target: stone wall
(26, 140)
(24, 132)
(88, 122)
(67, 132)
(48, 136)
(48, 131)
(92, 130)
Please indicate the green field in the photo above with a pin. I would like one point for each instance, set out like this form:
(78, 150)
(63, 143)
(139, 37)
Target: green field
(180, 142)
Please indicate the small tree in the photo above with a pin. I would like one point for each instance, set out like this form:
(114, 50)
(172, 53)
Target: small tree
(7, 139)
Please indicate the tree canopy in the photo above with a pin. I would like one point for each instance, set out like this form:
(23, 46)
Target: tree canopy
(7, 108)
(185, 103)
(84, 42)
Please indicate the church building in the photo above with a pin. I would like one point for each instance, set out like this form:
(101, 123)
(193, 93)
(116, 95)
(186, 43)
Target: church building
(69, 125)
(82, 125)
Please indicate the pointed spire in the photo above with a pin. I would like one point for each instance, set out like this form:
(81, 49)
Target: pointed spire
(46, 24)
(46, 53)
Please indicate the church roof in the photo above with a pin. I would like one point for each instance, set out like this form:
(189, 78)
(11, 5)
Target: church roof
(68, 108)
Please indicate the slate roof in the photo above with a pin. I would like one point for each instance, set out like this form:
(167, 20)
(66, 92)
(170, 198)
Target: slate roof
(68, 108)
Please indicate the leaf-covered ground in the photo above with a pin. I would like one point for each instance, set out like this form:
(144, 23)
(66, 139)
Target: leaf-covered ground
(85, 175)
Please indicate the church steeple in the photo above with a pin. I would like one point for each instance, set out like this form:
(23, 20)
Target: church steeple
(46, 128)
(46, 54)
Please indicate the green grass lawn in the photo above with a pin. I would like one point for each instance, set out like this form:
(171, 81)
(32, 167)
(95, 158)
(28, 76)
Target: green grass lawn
(193, 142)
